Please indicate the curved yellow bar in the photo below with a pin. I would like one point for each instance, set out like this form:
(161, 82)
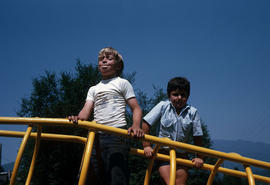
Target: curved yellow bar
(214, 171)
(32, 166)
(86, 158)
(152, 139)
(150, 165)
(172, 166)
(19, 155)
(46, 136)
(93, 126)
(250, 176)
(188, 163)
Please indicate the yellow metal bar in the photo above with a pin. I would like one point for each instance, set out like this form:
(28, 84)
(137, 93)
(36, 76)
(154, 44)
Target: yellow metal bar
(188, 163)
(214, 171)
(172, 166)
(116, 131)
(46, 136)
(19, 155)
(152, 139)
(35, 153)
(250, 177)
(150, 165)
(86, 159)
(82, 159)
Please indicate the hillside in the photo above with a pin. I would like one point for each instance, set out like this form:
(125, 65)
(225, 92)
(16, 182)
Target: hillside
(8, 166)
(255, 150)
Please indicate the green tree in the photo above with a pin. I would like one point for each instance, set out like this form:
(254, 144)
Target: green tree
(3, 181)
(232, 180)
(57, 97)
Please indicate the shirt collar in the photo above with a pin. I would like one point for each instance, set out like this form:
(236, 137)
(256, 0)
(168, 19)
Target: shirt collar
(183, 109)
(108, 80)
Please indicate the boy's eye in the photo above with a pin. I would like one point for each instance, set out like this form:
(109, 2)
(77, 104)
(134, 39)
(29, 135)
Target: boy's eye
(100, 58)
(110, 57)
(183, 95)
(175, 94)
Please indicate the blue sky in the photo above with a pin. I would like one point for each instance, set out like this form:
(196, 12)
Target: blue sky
(222, 47)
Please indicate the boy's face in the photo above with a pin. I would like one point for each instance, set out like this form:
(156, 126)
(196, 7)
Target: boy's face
(178, 98)
(107, 66)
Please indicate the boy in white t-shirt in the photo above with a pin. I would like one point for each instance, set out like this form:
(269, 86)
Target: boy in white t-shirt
(108, 101)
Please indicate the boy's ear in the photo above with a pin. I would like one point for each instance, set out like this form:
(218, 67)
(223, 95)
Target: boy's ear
(118, 66)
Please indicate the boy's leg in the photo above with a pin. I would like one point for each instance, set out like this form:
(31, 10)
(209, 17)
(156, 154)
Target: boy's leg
(115, 155)
(164, 172)
(92, 177)
(96, 172)
(118, 169)
(181, 175)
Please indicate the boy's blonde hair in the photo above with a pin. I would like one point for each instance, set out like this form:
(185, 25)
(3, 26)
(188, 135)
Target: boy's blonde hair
(117, 56)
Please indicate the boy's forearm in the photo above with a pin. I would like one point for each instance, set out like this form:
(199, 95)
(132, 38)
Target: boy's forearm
(137, 116)
(83, 115)
(146, 144)
(146, 130)
(198, 141)
(136, 112)
(86, 111)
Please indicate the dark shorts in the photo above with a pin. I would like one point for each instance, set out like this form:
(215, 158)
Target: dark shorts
(109, 160)
(178, 155)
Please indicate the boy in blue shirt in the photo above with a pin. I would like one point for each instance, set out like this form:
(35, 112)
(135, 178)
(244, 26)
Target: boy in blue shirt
(177, 120)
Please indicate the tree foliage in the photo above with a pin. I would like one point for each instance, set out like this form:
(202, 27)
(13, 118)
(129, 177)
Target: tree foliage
(59, 95)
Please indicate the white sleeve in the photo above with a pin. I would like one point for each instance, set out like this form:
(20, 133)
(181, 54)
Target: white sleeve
(90, 95)
(127, 90)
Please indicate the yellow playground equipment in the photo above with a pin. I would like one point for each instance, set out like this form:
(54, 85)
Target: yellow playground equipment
(88, 142)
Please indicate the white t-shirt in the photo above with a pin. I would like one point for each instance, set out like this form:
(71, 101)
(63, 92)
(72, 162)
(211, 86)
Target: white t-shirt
(109, 97)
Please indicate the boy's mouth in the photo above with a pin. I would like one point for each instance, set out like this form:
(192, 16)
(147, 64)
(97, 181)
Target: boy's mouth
(179, 103)
(104, 67)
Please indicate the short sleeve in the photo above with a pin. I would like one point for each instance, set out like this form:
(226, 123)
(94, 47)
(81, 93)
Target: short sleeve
(127, 90)
(91, 94)
(197, 125)
(154, 114)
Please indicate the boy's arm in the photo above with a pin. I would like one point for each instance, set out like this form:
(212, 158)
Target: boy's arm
(198, 161)
(148, 150)
(137, 116)
(84, 113)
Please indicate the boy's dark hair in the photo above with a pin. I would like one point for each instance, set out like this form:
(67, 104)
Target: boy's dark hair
(118, 58)
(180, 83)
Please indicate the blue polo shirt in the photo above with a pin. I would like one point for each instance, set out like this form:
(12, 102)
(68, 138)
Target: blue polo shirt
(171, 125)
